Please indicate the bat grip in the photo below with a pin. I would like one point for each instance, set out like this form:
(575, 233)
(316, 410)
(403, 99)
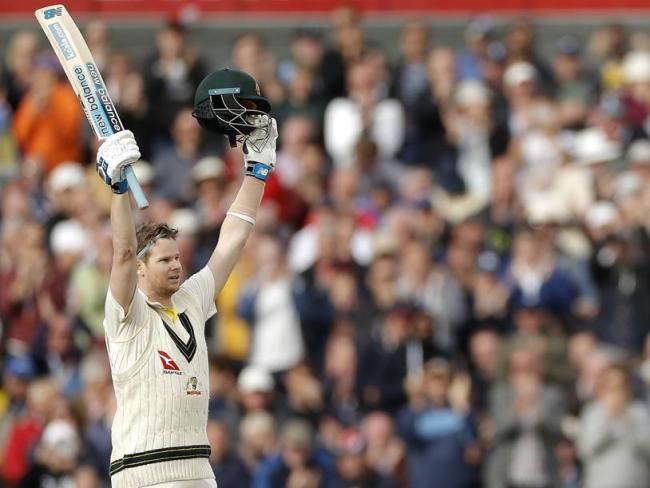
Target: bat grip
(135, 188)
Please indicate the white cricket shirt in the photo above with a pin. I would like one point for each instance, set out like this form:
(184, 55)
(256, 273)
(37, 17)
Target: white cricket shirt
(160, 376)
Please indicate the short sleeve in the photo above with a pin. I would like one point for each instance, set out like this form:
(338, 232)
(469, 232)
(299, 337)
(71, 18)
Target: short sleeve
(200, 287)
(120, 326)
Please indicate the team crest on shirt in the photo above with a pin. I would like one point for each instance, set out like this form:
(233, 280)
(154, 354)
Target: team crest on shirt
(169, 365)
(193, 386)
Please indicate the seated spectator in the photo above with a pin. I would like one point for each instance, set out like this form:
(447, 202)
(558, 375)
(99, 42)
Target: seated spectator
(257, 438)
(298, 453)
(56, 456)
(614, 438)
(352, 469)
(229, 469)
(385, 452)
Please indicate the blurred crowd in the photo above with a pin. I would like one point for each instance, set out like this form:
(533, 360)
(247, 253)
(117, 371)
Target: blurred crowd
(448, 284)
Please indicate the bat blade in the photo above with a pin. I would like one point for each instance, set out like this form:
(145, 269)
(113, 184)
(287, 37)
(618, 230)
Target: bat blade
(86, 80)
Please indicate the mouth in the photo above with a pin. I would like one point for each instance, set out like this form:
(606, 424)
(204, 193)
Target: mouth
(174, 278)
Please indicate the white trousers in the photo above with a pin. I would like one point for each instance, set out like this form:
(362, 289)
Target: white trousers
(207, 483)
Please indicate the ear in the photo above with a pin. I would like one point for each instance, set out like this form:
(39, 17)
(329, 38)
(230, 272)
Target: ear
(140, 269)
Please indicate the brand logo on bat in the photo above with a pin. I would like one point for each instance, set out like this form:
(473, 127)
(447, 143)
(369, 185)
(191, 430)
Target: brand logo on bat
(62, 40)
(96, 101)
(50, 13)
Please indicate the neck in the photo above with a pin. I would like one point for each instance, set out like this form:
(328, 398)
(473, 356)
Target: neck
(153, 296)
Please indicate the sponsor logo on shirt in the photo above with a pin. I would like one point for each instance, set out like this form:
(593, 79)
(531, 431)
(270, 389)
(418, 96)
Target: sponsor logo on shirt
(192, 386)
(169, 365)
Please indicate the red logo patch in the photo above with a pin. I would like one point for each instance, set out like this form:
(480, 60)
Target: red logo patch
(168, 363)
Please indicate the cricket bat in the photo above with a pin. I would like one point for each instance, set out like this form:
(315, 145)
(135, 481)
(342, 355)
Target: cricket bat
(80, 68)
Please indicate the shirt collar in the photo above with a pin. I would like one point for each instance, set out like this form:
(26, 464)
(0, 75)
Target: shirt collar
(178, 307)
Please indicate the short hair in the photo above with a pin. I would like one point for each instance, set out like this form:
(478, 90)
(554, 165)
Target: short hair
(148, 233)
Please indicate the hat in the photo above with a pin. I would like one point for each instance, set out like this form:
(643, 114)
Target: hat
(254, 379)
(567, 45)
(591, 146)
(67, 175)
(611, 106)
(20, 366)
(480, 28)
(639, 152)
(351, 442)
(601, 214)
(68, 236)
(636, 67)
(518, 73)
(470, 93)
(627, 185)
(185, 220)
(61, 436)
(144, 172)
(298, 433)
(208, 167)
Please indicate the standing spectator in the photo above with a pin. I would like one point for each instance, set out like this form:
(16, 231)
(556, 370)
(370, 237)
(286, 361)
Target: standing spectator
(171, 75)
(614, 440)
(18, 65)
(439, 438)
(526, 415)
(48, 120)
(298, 452)
(365, 110)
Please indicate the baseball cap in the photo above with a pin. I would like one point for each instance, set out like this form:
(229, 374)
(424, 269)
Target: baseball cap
(66, 176)
(636, 67)
(20, 366)
(255, 379)
(144, 172)
(639, 152)
(185, 220)
(568, 45)
(208, 167)
(601, 214)
(518, 73)
(68, 236)
(61, 436)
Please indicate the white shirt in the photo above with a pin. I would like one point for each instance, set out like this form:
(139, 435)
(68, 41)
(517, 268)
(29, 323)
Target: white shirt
(160, 375)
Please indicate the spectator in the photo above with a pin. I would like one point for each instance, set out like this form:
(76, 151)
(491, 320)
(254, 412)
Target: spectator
(364, 110)
(297, 454)
(352, 469)
(526, 413)
(441, 445)
(47, 124)
(229, 470)
(171, 74)
(614, 436)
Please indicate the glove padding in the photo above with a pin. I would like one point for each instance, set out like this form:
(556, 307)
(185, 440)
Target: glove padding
(114, 155)
(259, 149)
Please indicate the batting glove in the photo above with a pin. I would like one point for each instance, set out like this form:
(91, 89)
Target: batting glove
(259, 148)
(114, 155)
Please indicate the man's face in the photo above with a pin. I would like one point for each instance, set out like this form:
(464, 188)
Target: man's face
(162, 269)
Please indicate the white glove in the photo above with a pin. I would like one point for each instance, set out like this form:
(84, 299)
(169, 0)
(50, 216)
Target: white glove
(259, 148)
(114, 155)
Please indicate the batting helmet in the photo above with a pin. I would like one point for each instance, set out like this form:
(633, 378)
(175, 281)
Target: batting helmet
(228, 102)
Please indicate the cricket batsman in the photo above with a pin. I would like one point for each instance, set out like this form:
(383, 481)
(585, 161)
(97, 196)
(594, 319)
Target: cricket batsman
(154, 324)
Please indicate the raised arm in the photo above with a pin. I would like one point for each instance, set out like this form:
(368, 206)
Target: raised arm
(259, 158)
(115, 154)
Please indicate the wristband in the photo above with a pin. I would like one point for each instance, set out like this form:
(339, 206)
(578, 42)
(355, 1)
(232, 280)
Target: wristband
(257, 170)
(120, 187)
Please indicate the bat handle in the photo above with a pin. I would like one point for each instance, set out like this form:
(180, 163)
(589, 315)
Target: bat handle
(135, 188)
